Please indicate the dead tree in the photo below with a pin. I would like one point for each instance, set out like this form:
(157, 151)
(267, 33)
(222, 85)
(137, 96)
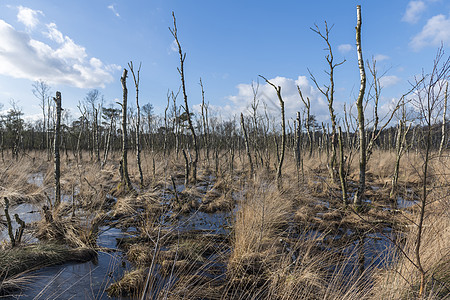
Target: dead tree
(342, 173)
(50, 112)
(80, 134)
(9, 224)
(205, 122)
(166, 124)
(138, 121)
(328, 92)
(125, 178)
(110, 113)
(283, 130)
(307, 104)
(41, 90)
(247, 144)
(359, 105)
(429, 98)
(91, 98)
(298, 147)
(441, 145)
(186, 106)
(375, 92)
(402, 131)
(56, 143)
(255, 130)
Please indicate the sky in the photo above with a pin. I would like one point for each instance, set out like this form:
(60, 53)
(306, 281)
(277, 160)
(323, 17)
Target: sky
(77, 46)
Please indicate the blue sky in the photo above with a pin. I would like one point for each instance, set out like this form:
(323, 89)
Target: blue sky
(76, 46)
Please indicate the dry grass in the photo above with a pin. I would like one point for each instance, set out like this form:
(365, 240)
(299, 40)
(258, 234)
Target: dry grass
(14, 263)
(262, 215)
(288, 243)
(403, 279)
(131, 284)
(15, 181)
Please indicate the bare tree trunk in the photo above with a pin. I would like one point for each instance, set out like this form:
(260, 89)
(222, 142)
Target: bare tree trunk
(360, 106)
(247, 146)
(9, 224)
(108, 141)
(347, 128)
(342, 175)
(441, 146)
(205, 122)
(56, 149)
(283, 130)
(307, 104)
(166, 125)
(138, 123)
(186, 169)
(428, 101)
(96, 136)
(328, 92)
(125, 178)
(186, 106)
(41, 90)
(422, 207)
(401, 140)
(298, 148)
(49, 150)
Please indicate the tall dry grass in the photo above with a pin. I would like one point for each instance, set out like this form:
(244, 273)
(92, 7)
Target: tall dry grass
(274, 259)
(16, 181)
(402, 280)
(279, 245)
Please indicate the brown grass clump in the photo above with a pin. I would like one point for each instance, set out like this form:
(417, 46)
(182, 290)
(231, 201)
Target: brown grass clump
(76, 231)
(130, 285)
(219, 197)
(195, 287)
(260, 220)
(140, 254)
(17, 261)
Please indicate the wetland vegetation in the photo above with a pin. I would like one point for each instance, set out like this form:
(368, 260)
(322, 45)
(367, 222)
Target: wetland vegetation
(194, 206)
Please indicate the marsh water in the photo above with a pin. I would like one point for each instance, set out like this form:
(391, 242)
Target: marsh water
(90, 280)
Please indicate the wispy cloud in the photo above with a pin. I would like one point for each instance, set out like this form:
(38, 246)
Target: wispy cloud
(22, 56)
(54, 34)
(381, 57)
(435, 32)
(391, 80)
(173, 47)
(28, 16)
(345, 48)
(113, 9)
(414, 11)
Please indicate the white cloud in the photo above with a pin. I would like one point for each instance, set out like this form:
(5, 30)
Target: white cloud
(345, 48)
(414, 11)
(69, 51)
(54, 34)
(28, 16)
(381, 57)
(173, 46)
(390, 80)
(435, 31)
(113, 9)
(267, 96)
(21, 56)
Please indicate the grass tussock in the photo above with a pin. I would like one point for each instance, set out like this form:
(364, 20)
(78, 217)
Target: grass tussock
(18, 261)
(130, 285)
